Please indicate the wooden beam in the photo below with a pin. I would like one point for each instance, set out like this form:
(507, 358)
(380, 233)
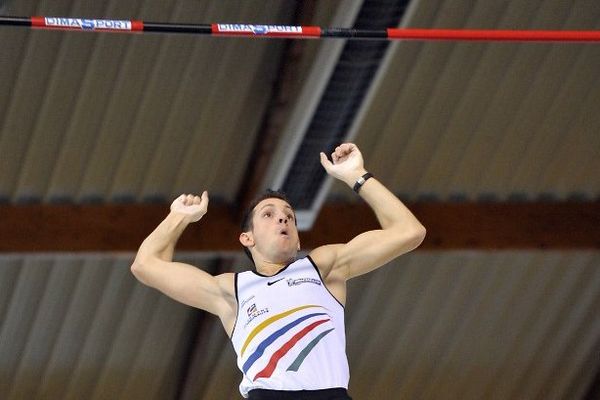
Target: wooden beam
(78, 228)
(487, 226)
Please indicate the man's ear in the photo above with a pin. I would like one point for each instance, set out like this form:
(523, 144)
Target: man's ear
(246, 239)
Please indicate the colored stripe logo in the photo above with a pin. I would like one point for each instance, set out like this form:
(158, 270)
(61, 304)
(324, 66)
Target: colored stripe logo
(268, 341)
(269, 321)
(282, 351)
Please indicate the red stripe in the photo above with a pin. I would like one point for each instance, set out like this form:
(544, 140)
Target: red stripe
(493, 35)
(311, 31)
(137, 26)
(282, 351)
(38, 21)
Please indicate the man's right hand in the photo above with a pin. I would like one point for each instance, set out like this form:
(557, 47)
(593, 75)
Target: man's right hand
(193, 207)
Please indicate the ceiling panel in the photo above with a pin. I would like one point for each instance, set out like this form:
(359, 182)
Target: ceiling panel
(487, 120)
(105, 117)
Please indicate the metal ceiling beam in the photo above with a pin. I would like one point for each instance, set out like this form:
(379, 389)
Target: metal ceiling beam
(329, 107)
(98, 228)
(293, 135)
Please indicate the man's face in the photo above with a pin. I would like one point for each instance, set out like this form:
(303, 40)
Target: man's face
(274, 231)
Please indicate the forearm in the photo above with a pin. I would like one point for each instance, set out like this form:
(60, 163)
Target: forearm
(161, 242)
(389, 210)
(348, 166)
(401, 231)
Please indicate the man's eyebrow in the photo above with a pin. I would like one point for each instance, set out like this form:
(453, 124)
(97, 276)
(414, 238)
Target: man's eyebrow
(273, 205)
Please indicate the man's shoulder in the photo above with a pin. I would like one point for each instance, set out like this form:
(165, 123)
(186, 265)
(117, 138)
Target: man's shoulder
(324, 257)
(226, 282)
(226, 276)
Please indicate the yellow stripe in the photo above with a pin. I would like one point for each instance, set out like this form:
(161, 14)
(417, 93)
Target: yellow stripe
(269, 321)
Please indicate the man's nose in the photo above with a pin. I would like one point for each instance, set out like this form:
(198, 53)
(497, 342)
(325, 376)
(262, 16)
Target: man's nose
(283, 220)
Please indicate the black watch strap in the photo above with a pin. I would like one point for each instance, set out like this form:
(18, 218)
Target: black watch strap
(361, 181)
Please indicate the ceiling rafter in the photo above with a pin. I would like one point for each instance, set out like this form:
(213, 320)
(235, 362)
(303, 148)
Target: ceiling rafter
(91, 228)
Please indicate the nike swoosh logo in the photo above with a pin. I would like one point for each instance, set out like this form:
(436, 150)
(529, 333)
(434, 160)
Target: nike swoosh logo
(274, 282)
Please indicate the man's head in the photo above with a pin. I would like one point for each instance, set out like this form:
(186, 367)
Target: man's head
(269, 228)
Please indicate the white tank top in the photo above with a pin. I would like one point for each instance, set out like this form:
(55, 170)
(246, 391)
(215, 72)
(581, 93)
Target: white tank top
(289, 332)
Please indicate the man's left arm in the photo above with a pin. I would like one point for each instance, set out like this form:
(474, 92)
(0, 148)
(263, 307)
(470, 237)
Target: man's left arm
(400, 230)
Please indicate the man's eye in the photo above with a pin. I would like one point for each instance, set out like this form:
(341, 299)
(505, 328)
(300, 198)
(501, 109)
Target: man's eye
(291, 217)
(267, 214)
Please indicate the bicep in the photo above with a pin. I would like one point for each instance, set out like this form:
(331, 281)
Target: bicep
(186, 284)
(370, 250)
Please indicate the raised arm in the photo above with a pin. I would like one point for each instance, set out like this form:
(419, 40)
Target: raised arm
(154, 265)
(400, 230)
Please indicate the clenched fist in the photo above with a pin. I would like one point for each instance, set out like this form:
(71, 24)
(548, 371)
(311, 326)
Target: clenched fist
(194, 207)
(347, 165)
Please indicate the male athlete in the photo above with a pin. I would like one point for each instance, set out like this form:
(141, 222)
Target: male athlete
(286, 317)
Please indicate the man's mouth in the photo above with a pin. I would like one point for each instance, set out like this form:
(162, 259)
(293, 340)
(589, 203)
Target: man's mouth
(283, 232)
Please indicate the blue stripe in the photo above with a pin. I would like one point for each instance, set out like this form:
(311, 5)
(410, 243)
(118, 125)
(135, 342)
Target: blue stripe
(268, 341)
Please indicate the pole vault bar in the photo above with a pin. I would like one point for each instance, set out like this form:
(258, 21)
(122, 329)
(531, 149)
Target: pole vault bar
(299, 32)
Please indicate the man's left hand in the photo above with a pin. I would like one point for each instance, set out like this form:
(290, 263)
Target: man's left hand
(347, 165)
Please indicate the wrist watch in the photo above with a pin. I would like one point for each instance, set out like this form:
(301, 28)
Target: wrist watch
(361, 181)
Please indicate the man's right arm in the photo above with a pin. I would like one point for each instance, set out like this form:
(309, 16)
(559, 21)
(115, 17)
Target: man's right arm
(153, 265)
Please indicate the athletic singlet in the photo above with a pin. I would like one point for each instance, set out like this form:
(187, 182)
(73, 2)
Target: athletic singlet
(289, 332)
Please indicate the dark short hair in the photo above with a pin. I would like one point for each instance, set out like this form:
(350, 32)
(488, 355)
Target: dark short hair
(246, 223)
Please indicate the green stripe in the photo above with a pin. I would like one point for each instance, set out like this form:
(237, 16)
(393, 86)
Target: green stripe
(300, 359)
